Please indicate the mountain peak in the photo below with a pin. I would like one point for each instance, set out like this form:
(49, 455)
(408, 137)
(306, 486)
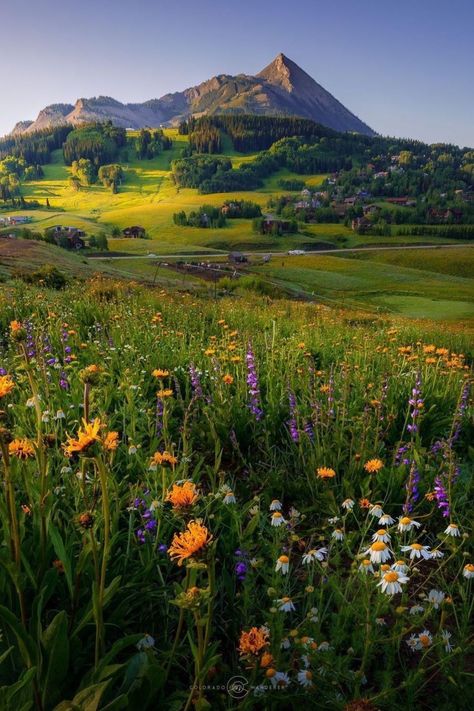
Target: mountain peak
(281, 88)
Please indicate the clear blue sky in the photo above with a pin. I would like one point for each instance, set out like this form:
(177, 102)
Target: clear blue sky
(406, 67)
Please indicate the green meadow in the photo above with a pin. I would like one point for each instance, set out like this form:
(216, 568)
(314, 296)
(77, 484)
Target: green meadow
(415, 283)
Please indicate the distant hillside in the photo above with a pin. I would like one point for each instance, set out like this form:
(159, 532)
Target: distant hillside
(282, 88)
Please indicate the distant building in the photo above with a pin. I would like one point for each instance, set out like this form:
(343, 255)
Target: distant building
(136, 232)
(15, 220)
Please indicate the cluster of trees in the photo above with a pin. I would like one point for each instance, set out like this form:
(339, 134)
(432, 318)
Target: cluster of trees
(214, 174)
(449, 231)
(191, 172)
(35, 148)
(85, 173)
(206, 216)
(13, 170)
(149, 144)
(205, 140)
(292, 185)
(241, 209)
(278, 227)
(99, 142)
(255, 133)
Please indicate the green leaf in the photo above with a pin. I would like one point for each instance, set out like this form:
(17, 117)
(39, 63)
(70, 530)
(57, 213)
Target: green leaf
(121, 702)
(61, 552)
(88, 699)
(18, 696)
(56, 645)
(26, 644)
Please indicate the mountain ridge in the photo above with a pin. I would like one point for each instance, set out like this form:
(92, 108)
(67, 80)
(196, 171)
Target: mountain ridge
(281, 88)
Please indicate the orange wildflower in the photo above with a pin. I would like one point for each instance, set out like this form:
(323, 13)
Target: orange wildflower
(228, 379)
(158, 373)
(164, 458)
(253, 641)
(87, 436)
(6, 385)
(191, 541)
(373, 466)
(164, 393)
(183, 495)
(21, 448)
(325, 473)
(111, 441)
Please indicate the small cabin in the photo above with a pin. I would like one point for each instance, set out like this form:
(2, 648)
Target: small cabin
(136, 232)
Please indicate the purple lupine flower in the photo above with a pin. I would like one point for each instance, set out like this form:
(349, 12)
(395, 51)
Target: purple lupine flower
(416, 402)
(241, 566)
(292, 422)
(3, 371)
(442, 498)
(195, 381)
(253, 386)
(63, 381)
(30, 340)
(308, 428)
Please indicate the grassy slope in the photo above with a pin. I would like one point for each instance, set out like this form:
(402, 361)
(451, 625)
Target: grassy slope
(414, 292)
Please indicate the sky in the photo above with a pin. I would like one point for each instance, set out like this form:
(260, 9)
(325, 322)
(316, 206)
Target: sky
(405, 67)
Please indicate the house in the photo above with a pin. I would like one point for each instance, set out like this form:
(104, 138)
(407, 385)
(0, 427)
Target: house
(361, 224)
(402, 201)
(305, 193)
(74, 236)
(16, 220)
(136, 232)
(370, 209)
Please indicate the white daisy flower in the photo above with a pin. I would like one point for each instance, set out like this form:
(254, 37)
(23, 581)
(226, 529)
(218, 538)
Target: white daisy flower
(145, 643)
(277, 519)
(412, 642)
(348, 504)
(323, 647)
(282, 564)
(229, 498)
(59, 415)
(313, 615)
(435, 598)
(381, 535)
(376, 510)
(305, 678)
(285, 604)
(416, 550)
(425, 639)
(453, 530)
(379, 552)
(400, 566)
(338, 534)
(392, 582)
(314, 554)
(446, 636)
(275, 505)
(405, 523)
(436, 553)
(468, 571)
(280, 680)
(366, 566)
(416, 609)
(386, 520)
(333, 520)
(285, 643)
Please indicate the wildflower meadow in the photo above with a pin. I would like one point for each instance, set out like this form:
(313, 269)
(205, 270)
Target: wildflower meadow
(234, 503)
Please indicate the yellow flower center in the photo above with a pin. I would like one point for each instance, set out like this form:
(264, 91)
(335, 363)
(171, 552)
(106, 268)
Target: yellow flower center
(378, 546)
(416, 546)
(405, 520)
(391, 577)
(283, 559)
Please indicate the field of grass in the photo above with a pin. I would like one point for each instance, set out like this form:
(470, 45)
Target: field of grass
(372, 281)
(199, 491)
